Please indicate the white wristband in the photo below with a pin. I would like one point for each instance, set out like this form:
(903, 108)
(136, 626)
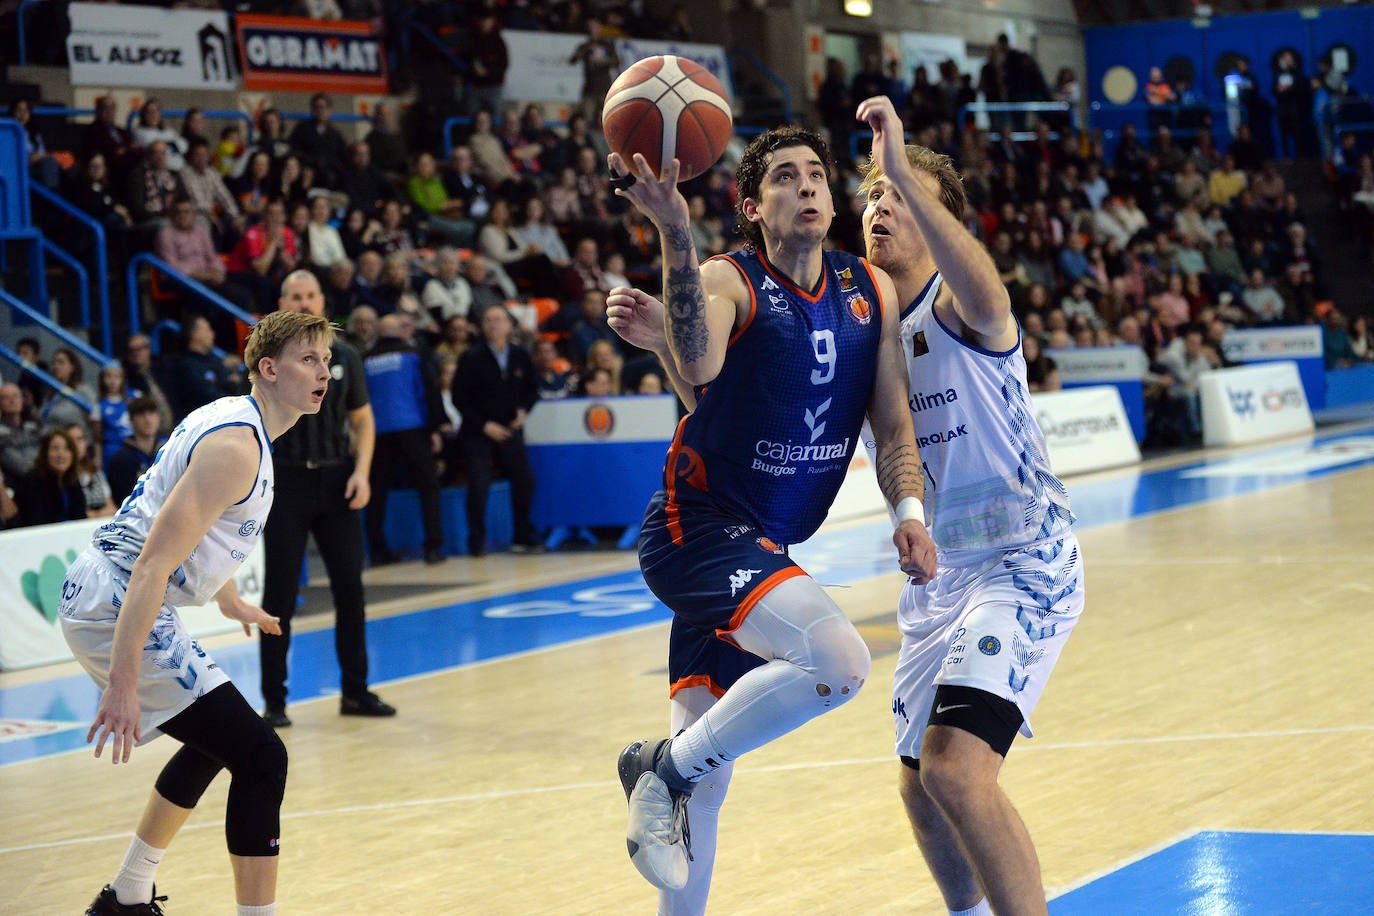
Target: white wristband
(911, 508)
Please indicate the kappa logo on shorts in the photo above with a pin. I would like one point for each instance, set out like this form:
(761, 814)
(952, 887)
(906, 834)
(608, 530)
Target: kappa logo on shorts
(989, 645)
(741, 578)
(768, 545)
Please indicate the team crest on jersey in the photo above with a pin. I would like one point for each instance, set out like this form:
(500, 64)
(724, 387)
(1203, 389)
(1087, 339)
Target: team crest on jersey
(846, 278)
(691, 468)
(768, 545)
(919, 347)
(769, 284)
(989, 645)
(859, 309)
(778, 303)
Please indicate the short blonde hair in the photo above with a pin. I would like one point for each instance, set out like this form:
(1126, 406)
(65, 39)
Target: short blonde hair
(938, 165)
(277, 329)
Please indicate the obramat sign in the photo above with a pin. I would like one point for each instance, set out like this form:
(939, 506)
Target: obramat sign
(296, 54)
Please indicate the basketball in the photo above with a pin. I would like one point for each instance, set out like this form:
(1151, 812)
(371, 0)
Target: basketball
(664, 107)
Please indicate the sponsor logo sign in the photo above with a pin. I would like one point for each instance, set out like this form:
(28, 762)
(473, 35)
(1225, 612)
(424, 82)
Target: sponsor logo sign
(150, 47)
(310, 55)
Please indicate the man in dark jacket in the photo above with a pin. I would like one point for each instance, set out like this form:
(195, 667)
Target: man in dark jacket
(138, 451)
(408, 412)
(198, 376)
(494, 389)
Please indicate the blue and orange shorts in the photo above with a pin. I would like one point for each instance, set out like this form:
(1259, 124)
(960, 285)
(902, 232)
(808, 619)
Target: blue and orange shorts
(710, 569)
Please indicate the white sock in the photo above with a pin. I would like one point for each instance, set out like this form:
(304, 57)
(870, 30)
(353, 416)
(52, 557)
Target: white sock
(134, 883)
(982, 909)
(243, 909)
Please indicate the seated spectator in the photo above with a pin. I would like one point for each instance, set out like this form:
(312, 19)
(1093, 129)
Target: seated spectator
(264, 256)
(271, 136)
(613, 273)
(93, 192)
(319, 143)
(1248, 152)
(706, 229)
(1186, 359)
(393, 235)
(580, 136)
(1041, 372)
(490, 285)
(1188, 223)
(1268, 187)
(19, 433)
(447, 295)
(229, 151)
(526, 264)
(1299, 294)
(563, 200)
(253, 188)
(584, 272)
(50, 491)
(43, 167)
(461, 183)
(205, 187)
(357, 232)
(323, 245)
(365, 185)
(140, 380)
(56, 411)
(489, 160)
(1361, 339)
(193, 127)
(153, 186)
(362, 328)
(535, 229)
(1188, 258)
(590, 327)
(288, 182)
(602, 354)
(1262, 300)
(197, 376)
(340, 290)
(1226, 181)
(649, 383)
(553, 374)
(523, 153)
(185, 244)
(450, 458)
(445, 215)
(95, 488)
(104, 137)
(1076, 304)
(596, 383)
(113, 406)
(151, 129)
(386, 146)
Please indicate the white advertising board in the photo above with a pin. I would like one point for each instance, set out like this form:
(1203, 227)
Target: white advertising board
(119, 45)
(1250, 403)
(35, 564)
(1085, 429)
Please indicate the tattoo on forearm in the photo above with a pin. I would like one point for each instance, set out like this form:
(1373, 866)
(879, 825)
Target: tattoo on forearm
(899, 472)
(686, 301)
(679, 237)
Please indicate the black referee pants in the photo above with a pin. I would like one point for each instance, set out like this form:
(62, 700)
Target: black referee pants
(307, 502)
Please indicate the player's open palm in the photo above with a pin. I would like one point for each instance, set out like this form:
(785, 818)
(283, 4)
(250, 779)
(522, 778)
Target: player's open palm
(915, 550)
(656, 196)
(638, 318)
(118, 720)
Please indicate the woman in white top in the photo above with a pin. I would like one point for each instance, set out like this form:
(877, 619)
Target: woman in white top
(526, 263)
(152, 128)
(325, 245)
(538, 230)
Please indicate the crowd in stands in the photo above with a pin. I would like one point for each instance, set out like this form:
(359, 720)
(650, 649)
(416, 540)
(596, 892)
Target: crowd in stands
(1165, 244)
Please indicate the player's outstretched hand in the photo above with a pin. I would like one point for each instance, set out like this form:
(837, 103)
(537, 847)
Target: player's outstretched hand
(657, 197)
(248, 614)
(915, 550)
(889, 143)
(117, 719)
(638, 318)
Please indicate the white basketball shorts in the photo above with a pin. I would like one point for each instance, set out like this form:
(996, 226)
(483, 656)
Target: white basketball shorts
(174, 672)
(997, 625)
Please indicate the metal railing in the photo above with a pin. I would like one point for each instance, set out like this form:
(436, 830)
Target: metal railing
(102, 271)
(753, 60)
(83, 278)
(62, 390)
(180, 279)
(22, 16)
(1017, 136)
(98, 359)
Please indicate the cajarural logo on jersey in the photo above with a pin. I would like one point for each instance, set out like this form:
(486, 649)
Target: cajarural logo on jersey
(781, 458)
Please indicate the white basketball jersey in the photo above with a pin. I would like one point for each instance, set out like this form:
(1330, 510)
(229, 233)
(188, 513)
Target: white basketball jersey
(232, 536)
(988, 480)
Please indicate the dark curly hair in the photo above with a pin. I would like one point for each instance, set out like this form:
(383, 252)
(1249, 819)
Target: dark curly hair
(753, 165)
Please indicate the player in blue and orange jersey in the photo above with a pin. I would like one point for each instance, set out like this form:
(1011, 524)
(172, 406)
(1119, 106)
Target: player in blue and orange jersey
(785, 349)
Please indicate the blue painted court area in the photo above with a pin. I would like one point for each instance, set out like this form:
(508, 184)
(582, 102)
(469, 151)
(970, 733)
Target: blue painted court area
(1225, 873)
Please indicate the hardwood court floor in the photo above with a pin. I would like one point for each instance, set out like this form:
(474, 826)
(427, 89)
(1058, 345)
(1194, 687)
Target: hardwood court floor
(1218, 679)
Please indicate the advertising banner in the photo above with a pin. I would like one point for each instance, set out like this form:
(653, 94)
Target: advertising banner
(36, 561)
(1085, 429)
(1122, 367)
(1300, 344)
(1249, 403)
(295, 54)
(922, 49)
(539, 70)
(146, 46)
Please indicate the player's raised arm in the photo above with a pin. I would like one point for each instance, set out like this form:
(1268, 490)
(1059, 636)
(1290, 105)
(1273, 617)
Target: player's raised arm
(702, 302)
(966, 268)
(224, 470)
(897, 461)
(639, 320)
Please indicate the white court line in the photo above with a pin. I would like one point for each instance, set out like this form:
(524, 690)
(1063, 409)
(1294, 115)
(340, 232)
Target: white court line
(602, 785)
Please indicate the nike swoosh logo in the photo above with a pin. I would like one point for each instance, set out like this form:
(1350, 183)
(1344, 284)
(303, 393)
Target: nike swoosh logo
(941, 710)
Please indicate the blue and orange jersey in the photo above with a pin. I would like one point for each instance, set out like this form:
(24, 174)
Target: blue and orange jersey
(771, 436)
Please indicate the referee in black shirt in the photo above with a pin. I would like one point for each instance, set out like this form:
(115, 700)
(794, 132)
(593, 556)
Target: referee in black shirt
(321, 486)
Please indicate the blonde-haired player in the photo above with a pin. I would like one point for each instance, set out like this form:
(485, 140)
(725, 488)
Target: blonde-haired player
(191, 520)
